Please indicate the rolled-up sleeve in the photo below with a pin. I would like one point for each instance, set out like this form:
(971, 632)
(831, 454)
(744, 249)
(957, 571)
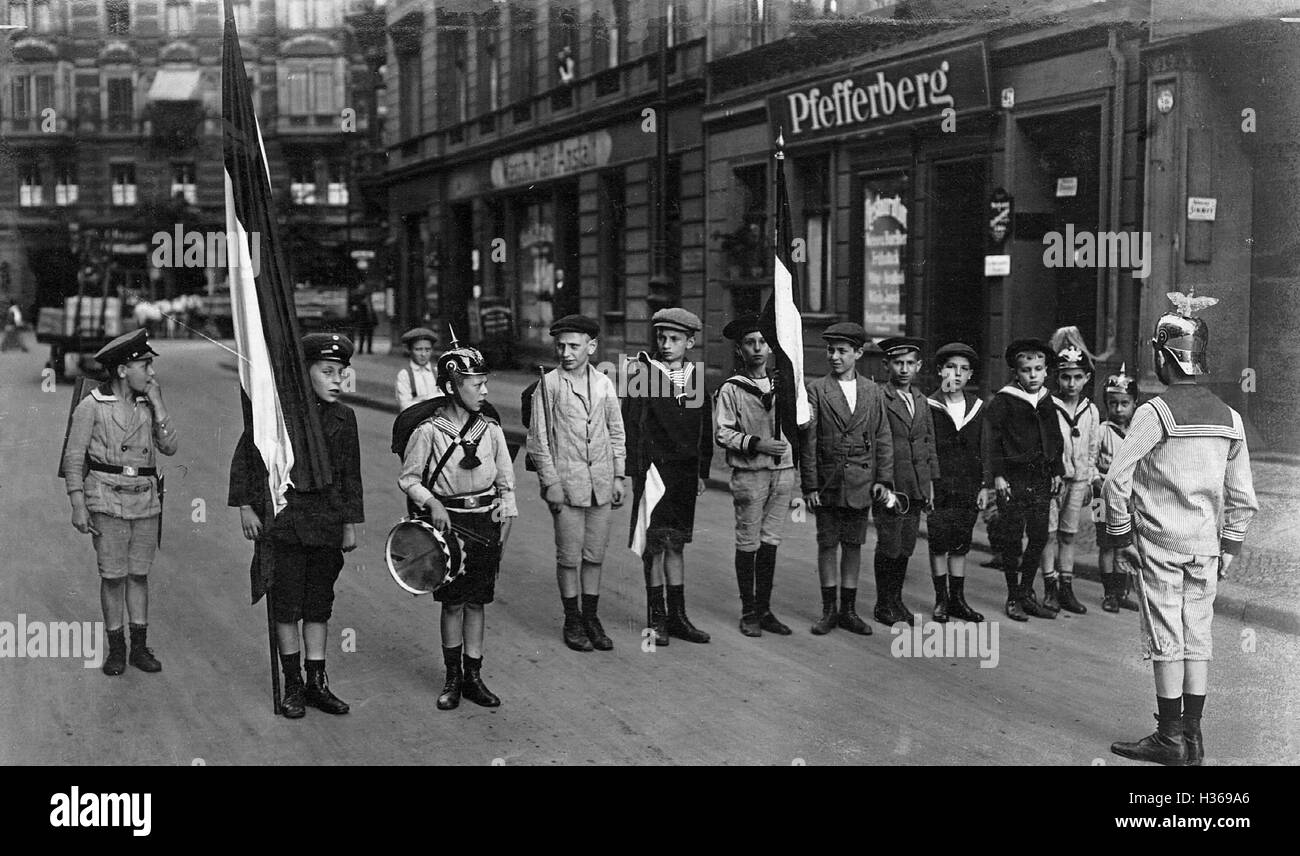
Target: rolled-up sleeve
(164, 438)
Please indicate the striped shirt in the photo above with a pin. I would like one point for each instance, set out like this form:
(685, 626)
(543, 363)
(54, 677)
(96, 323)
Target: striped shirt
(1183, 475)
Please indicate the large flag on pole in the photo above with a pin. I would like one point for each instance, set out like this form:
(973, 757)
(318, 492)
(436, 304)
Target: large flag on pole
(654, 491)
(275, 390)
(782, 324)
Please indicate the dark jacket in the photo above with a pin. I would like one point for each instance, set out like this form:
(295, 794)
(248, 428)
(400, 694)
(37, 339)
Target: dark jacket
(960, 448)
(843, 454)
(667, 431)
(916, 463)
(312, 518)
(1021, 439)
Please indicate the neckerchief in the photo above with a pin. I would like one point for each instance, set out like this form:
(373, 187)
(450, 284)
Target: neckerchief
(468, 443)
(1072, 421)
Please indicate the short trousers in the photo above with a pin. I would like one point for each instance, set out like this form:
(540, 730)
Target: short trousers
(841, 525)
(762, 502)
(303, 584)
(124, 547)
(1019, 531)
(478, 584)
(672, 523)
(951, 523)
(581, 534)
(896, 533)
(1175, 601)
(1069, 502)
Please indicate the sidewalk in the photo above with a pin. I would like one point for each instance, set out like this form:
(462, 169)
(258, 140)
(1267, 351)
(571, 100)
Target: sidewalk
(1264, 588)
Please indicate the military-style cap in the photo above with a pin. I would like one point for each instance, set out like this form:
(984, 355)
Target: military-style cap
(328, 346)
(1122, 383)
(897, 345)
(741, 327)
(410, 337)
(576, 324)
(1029, 346)
(846, 331)
(1073, 357)
(956, 349)
(125, 348)
(677, 318)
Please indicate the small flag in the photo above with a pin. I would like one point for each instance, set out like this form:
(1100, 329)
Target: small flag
(654, 491)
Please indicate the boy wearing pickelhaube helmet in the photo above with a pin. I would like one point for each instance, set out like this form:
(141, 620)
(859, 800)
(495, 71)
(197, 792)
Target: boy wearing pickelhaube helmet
(112, 482)
(470, 496)
(1185, 467)
(311, 533)
(1121, 399)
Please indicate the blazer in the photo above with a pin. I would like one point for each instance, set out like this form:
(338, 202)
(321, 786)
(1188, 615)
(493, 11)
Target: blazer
(312, 518)
(916, 462)
(843, 454)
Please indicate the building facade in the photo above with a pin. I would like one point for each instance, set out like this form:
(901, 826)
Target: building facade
(111, 117)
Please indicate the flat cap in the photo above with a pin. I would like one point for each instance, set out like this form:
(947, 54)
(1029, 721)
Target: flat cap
(958, 349)
(334, 347)
(847, 331)
(410, 337)
(576, 324)
(126, 348)
(677, 318)
(739, 328)
(896, 345)
(1029, 346)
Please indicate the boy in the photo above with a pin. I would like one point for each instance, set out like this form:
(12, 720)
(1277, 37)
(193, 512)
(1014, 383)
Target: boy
(1080, 427)
(416, 382)
(1121, 398)
(668, 425)
(762, 473)
(915, 465)
(958, 495)
(1022, 450)
(846, 461)
(115, 491)
(311, 534)
(578, 449)
(458, 469)
(1186, 468)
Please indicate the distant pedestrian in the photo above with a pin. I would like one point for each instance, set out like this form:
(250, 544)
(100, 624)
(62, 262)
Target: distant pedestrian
(416, 381)
(13, 330)
(362, 319)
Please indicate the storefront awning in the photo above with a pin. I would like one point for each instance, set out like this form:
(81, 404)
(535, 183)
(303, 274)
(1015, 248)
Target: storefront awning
(175, 85)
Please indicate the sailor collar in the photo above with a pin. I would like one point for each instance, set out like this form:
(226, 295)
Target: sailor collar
(1015, 391)
(99, 395)
(973, 405)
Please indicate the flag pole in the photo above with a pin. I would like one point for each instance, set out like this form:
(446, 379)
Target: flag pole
(274, 643)
(778, 180)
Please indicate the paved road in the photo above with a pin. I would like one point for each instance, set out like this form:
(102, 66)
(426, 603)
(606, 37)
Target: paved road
(1060, 692)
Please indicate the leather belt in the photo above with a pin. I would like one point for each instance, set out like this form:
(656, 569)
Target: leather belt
(474, 502)
(121, 471)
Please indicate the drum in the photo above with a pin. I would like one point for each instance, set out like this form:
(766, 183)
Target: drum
(422, 559)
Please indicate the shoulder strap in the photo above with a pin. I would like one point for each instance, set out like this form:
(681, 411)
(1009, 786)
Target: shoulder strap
(442, 462)
(410, 375)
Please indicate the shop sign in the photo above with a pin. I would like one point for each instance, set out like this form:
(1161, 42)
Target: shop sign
(1067, 186)
(999, 215)
(999, 265)
(1201, 207)
(908, 91)
(553, 160)
(884, 218)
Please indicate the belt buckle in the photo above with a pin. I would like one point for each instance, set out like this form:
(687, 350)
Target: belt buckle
(129, 471)
(472, 502)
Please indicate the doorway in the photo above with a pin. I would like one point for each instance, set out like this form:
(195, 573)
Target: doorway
(955, 259)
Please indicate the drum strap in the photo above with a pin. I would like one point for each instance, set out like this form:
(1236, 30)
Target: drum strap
(442, 462)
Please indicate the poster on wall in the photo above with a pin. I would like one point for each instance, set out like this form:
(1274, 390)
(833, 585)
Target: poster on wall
(884, 225)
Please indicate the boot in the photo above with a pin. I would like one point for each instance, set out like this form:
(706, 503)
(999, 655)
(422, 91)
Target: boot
(1110, 595)
(1068, 601)
(141, 657)
(830, 617)
(115, 662)
(885, 612)
(472, 686)
(1014, 612)
(958, 608)
(1051, 596)
(1195, 744)
(575, 632)
(1124, 589)
(318, 690)
(294, 703)
(1166, 746)
(591, 623)
(678, 624)
(849, 619)
(941, 599)
(450, 697)
(899, 575)
(764, 573)
(1028, 602)
(658, 614)
(745, 572)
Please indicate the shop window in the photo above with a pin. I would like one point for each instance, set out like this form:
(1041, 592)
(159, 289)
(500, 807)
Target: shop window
(337, 190)
(883, 202)
(302, 182)
(613, 226)
(119, 17)
(813, 213)
(66, 190)
(123, 187)
(30, 191)
(185, 182)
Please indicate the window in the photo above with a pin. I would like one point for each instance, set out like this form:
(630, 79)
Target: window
(66, 190)
(30, 192)
(489, 63)
(460, 72)
(617, 34)
(337, 189)
(121, 104)
(756, 21)
(311, 90)
(612, 254)
(302, 182)
(123, 175)
(564, 45)
(32, 94)
(812, 182)
(523, 53)
(184, 182)
(179, 17)
(311, 14)
(18, 14)
(119, 17)
(410, 94)
(244, 22)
